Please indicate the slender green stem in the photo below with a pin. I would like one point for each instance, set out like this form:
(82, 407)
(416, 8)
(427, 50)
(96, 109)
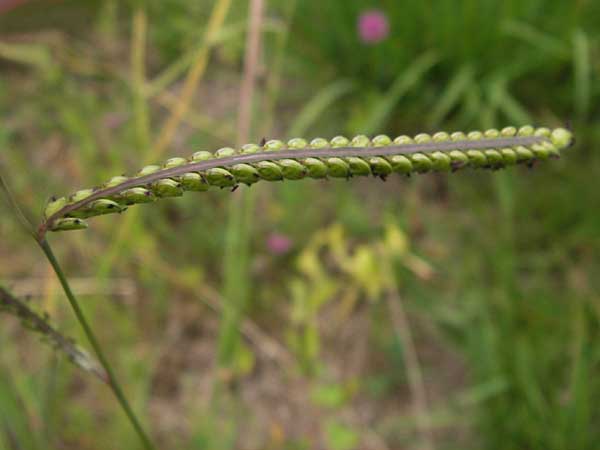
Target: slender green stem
(238, 228)
(112, 380)
(237, 280)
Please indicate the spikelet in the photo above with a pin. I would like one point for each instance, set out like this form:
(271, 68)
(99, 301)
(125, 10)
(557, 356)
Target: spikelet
(68, 223)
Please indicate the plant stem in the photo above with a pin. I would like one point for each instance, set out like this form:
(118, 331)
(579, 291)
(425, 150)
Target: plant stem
(109, 374)
(138, 77)
(236, 261)
(112, 380)
(416, 384)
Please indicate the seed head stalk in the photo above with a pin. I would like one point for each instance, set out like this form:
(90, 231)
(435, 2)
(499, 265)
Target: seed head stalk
(109, 374)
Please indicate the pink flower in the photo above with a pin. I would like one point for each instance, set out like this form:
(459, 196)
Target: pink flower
(278, 243)
(7, 5)
(373, 26)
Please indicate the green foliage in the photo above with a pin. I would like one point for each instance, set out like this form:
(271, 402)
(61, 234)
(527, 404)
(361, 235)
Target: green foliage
(497, 271)
(16, 430)
(341, 437)
(535, 41)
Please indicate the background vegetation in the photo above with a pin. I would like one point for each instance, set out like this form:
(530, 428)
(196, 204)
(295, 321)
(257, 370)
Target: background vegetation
(313, 314)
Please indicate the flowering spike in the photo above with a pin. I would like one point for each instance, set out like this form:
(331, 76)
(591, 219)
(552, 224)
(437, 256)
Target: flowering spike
(339, 158)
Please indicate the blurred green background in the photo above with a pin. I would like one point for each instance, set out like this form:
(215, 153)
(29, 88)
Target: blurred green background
(437, 312)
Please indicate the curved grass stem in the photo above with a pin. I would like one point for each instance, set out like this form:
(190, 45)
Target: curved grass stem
(112, 380)
(109, 373)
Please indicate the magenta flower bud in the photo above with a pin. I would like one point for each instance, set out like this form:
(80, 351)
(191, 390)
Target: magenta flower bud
(373, 26)
(279, 244)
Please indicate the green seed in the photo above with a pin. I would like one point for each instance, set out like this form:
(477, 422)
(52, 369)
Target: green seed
(421, 163)
(543, 131)
(193, 181)
(175, 162)
(459, 158)
(202, 155)
(292, 169)
(250, 148)
(509, 156)
(441, 136)
(552, 150)
(540, 151)
(220, 177)
(340, 141)
(97, 208)
(269, 171)
(115, 181)
(105, 206)
(562, 138)
(68, 223)
(360, 141)
(80, 195)
(54, 205)
(404, 140)
(475, 136)
(167, 188)
(441, 162)
(492, 133)
(147, 170)
(358, 166)
(274, 145)
(381, 141)
(316, 168)
(523, 154)
(401, 164)
(477, 158)
(494, 158)
(136, 195)
(319, 143)
(337, 168)
(422, 138)
(508, 131)
(380, 166)
(526, 130)
(458, 136)
(225, 152)
(297, 143)
(245, 173)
